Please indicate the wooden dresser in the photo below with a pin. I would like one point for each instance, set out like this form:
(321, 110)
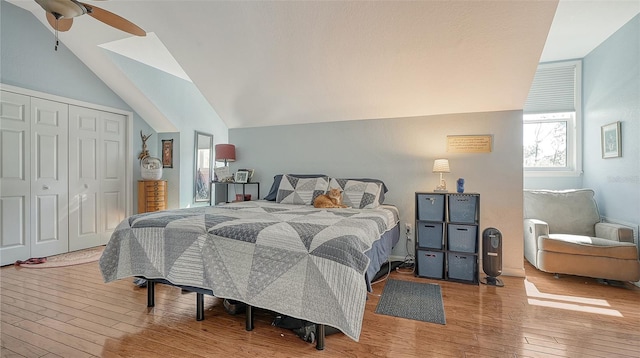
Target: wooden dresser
(152, 195)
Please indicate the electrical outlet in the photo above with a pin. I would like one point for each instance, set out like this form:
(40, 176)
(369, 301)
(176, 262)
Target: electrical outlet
(407, 228)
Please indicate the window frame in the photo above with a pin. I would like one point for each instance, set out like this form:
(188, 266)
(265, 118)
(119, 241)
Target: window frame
(574, 130)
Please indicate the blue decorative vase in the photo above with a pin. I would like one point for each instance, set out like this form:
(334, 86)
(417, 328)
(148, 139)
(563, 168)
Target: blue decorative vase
(460, 185)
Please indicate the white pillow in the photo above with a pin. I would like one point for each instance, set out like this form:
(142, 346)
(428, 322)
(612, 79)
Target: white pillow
(301, 191)
(358, 194)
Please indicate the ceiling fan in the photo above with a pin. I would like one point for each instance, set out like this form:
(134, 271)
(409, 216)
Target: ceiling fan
(60, 14)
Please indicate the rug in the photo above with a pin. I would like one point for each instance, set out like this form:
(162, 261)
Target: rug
(66, 259)
(412, 300)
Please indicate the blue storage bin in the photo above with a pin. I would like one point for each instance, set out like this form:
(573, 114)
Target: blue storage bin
(463, 208)
(430, 234)
(430, 207)
(462, 267)
(463, 238)
(430, 263)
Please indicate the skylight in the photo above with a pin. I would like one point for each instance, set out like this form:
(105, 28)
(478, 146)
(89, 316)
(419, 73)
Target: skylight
(148, 50)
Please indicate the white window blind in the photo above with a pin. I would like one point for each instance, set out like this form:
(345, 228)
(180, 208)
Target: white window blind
(553, 89)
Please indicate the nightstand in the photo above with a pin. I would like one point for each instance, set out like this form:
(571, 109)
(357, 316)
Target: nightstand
(223, 194)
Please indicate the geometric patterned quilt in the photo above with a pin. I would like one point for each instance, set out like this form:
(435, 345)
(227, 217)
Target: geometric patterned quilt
(296, 260)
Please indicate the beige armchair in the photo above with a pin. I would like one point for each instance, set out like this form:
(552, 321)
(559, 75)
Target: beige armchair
(563, 234)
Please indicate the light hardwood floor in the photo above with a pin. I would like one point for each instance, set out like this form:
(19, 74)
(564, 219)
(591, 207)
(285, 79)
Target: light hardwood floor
(70, 312)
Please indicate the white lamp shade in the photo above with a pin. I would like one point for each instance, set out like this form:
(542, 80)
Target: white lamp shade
(441, 166)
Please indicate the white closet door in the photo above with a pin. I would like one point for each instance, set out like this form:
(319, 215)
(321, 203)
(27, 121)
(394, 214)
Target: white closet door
(96, 176)
(15, 177)
(49, 177)
(113, 179)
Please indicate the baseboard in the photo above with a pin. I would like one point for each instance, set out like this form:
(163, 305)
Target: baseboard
(513, 272)
(506, 271)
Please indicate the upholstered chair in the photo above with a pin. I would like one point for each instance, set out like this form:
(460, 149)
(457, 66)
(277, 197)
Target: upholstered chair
(563, 234)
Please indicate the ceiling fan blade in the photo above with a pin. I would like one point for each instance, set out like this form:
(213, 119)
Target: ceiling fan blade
(114, 20)
(62, 24)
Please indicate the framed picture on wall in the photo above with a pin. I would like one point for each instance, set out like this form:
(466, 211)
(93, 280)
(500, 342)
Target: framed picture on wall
(167, 153)
(611, 141)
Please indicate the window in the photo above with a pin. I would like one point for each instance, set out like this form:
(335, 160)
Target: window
(551, 121)
(545, 141)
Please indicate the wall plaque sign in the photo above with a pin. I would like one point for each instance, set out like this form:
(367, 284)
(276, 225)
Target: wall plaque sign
(469, 143)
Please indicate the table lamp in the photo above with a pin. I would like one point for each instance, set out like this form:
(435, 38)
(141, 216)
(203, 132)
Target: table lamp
(441, 166)
(225, 153)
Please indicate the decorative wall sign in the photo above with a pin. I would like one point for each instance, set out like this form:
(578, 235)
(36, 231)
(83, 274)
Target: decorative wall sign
(167, 153)
(469, 143)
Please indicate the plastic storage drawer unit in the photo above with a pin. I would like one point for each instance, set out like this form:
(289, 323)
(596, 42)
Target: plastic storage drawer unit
(430, 235)
(462, 267)
(462, 208)
(431, 264)
(463, 238)
(430, 207)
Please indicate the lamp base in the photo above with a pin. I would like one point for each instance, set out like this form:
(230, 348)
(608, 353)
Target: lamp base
(442, 188)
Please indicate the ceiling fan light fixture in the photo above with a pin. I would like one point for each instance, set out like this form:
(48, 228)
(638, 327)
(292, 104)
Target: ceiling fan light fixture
(65, 8)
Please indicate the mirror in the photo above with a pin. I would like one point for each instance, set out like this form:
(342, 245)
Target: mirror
(203, 166)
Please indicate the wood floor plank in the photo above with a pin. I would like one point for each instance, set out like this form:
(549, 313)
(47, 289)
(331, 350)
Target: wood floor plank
(43, 342)
(51, 355)
(37, 298)
(71, 296)
(18, 310)
(21, 347)
(33, 310)
(7, 317)
(71, 312)
(6, 353)
(61, 336)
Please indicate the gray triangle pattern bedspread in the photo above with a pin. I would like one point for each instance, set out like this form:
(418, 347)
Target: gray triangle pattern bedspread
(296, 260)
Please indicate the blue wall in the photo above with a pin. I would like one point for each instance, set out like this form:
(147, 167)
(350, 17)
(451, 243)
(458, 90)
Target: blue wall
(611, 81)
(183, 104)
(400, 151)
(28, 60)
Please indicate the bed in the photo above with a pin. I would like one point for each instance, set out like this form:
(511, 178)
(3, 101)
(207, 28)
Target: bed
(308, 263)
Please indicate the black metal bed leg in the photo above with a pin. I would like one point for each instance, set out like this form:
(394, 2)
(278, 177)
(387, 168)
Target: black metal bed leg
(320, 337)
(199, 306)
(151, 293)
(249, 318)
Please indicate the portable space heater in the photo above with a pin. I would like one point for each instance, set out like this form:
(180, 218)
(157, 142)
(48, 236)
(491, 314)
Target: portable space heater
(492, 256)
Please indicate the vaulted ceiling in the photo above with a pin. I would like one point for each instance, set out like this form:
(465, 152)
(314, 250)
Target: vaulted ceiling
(261, 63)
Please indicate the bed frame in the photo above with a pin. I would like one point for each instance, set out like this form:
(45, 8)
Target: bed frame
(200, 292)
(392, 239)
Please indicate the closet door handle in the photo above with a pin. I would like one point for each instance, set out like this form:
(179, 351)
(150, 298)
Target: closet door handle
(45, 187)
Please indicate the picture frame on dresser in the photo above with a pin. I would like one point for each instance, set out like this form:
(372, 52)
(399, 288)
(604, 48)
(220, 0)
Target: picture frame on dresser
(241, 176)
(250, 171)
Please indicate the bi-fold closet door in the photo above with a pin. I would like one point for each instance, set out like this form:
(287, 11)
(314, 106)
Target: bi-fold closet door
(62, 176)
(97, 172)
(33, 177)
